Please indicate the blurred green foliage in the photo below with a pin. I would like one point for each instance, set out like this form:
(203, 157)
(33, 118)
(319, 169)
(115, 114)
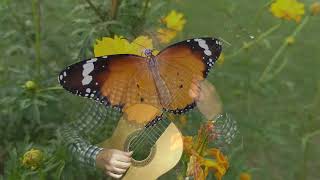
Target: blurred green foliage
(279, 118)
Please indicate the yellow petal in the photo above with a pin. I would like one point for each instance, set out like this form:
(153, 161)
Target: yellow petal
(166, 35)
(140, 44)
(217, 154)
(221, 59)
(287, 9)
(174, 21)
(108, 46)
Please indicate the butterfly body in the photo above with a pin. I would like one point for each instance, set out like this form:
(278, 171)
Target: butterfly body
(162, 81)
(161, 88)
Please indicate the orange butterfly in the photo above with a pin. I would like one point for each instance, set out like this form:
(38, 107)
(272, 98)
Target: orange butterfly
(163, 80)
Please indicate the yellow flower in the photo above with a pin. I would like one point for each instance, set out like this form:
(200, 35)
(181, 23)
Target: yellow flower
(287, 9)
(32, 159)
(108, 46)
(140, 43)
(119, 45)
(315, 8)
(174, 21)
(245, 176)
(290, 40)
(166, 35)
(221, 59)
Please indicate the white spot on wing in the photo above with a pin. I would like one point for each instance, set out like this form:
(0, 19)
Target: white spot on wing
(64, 74)
(86, 80)
(207, 52)
(92, 60)
(87, 69)
(88, 90)
(61, 77)
(202, 43)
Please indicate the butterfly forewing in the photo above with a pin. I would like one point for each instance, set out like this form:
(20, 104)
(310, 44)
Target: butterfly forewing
(116, 80)
(183, 61)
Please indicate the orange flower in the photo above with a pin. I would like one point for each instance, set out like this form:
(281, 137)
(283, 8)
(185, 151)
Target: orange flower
(219, 165)
(245, 176)
(183, 119)
(315, 8)
(203, 159)
(187, 144)
(194, 168)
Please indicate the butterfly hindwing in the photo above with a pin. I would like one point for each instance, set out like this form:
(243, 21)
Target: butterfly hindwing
(183, 61)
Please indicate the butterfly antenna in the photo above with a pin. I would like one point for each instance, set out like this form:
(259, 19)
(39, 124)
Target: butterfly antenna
(140, 45)
(229, 44)
(134, 42)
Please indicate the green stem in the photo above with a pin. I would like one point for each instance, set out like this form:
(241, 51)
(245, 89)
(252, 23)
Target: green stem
(278, 70)
(50, 88)
(273, 60)
(203, 144)
(95, 9)
(305, 146)
(145, 8)
(114, 12)
(37, 27)
(251, 43)
(114, 9)
(260, 11)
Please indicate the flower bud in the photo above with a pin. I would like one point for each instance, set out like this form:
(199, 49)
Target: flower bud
(32, 159)
(290, 40)
(315, 8)
(30, 85)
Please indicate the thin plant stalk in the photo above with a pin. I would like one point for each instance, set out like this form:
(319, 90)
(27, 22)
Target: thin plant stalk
(114, 9)
(145, 8)
(273, 60)
(251, 43)
(37, 43)
(305, 147)
(96, 10)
